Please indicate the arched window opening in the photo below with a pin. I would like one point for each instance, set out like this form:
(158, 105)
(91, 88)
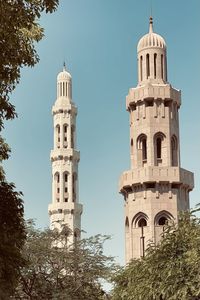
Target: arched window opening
(142, 149)
(147, 66)
(58, 136)
(141, 66)
(159, 147)
(162, 218)
(162, 67)
(127, 225)
(155, 64)
(57, 186)
(162, 221)
(142, 223)
(74, 178)
(60, 89)
(65, 136)
(65, 182)
(58, 177)
(63, 89)
(131, 146)
(66, 177)
(174, 151)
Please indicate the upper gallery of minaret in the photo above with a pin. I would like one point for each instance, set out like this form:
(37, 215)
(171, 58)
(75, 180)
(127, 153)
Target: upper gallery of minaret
(152, 59)
(156, 188)
(65, 207)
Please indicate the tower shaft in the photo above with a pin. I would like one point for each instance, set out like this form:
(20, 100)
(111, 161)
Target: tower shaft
(65, 208)
(156, 188)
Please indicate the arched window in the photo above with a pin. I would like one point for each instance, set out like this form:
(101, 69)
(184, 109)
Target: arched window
(142, 149)
(60, 89)
(74, 182)
(58, 136)
(131, 146)
(58, 177)
(65, 184)
(162, 67)
(63, 88)
(159, 139)
(147, 66)
(162, 221)
(141, 66)
(57, 186)
(162, 218)
(66, 88)
(159, 147)
(65, 136)
(155, 64)
(127, 225)
(140, 222)
(174, 151)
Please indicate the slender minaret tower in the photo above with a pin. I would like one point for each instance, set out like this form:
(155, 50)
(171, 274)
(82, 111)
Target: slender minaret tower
(65, 207)
(156, 188)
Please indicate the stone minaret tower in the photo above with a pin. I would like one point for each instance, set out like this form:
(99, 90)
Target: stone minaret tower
(65, 207)
(156, 188)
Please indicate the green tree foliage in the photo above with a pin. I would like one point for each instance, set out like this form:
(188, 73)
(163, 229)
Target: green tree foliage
(12, 235)
(57, 270)
(170, 271)
(19, 31)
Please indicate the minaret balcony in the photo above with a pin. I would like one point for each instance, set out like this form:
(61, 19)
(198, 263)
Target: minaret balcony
(151, 91)
(173, 175)
(65, 208)
(63, 153)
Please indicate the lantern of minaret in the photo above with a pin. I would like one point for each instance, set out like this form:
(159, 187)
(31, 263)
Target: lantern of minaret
(156, 188)
(65, 208)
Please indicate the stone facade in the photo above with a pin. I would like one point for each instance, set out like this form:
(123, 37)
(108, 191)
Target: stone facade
(65, 207)
(156, 188)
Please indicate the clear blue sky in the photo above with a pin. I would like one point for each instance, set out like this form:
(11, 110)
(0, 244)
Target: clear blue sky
(98, 39)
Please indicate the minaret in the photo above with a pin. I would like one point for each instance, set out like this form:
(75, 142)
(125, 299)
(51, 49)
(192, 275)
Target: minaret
(156, 188)
(65, 207)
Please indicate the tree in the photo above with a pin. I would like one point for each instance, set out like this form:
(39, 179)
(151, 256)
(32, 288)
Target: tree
(57, 270)
(169, 271)
(19, 30)
(12, 235)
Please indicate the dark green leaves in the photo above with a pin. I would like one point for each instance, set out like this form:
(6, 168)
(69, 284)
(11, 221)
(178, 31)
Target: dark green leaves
(170, 271)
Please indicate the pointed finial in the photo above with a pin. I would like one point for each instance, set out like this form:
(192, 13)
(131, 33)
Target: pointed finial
(151, 24)
(64, 66)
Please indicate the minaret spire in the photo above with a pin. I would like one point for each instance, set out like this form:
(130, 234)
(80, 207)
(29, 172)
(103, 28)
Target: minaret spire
(64, 66)
(151, 24)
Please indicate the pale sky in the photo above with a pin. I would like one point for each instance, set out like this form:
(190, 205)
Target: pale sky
(98, 39)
